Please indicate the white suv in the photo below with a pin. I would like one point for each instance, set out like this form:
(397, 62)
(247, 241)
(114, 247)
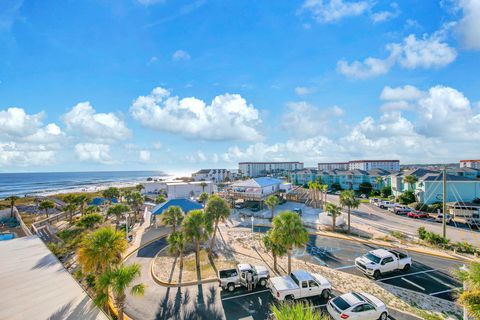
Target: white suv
(357, 306)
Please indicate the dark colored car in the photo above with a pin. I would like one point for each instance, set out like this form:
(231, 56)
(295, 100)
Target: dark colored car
(417, 214)
(298, 211)
(255, 208)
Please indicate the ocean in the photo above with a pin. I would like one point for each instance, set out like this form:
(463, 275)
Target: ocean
(43, 183)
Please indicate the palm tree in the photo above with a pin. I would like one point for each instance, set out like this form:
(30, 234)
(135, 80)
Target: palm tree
(347, 199)
(276, 249)
(289, 232)
(196, 229)
(216, 209)
(88, 221)
(470, 298)
(111, 193)
(410, 180)
(203, 197)
(379, 181)
(91, 209)
(101, 249)
(70, 208)
(118, 210)
(272, 202)
(117, 281)
(46, 205)
(176, 241)
(13, 200)
(324, 188)
(203, 184)
(139, 187)
(312, 186)
(173, 217)
(334, 211)
(296, 311)
(135, 200)
(82, 200)
(160, 199)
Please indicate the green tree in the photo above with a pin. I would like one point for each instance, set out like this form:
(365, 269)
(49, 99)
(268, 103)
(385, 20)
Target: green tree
(275, 248)
(365, 188)
(336, 186)
(160, 199)
(410, 180)
(88, 221)
(117, 281)
(470, 298)
(407, 197)
(92, 209)
(118, 210)
(13, 200)
(203, 197)
(386, 191)
(176, 241)
(46, 205)
(271, 202)
(217, 209)
(203, 184)
(173, 216)
(379, 182)
(111, 193)
(348, 200)
(135, 200)
(324, 189)
(334, 212)
(70, 208)
(101, 249)
(296, 311)
(139, 187)
(82, 200)
(196, 229)
(289, 232)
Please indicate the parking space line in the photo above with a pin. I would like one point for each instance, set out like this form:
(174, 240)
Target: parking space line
(409, 274)
(345, 267)
(413, 284)
(440, 281)
(323, 263)
(444, 291)
(246, 294)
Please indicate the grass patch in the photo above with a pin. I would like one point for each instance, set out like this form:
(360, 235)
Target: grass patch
(206, 268)
(399, 235)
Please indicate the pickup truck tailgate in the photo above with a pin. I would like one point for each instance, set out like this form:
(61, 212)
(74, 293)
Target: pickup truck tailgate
(283, 283)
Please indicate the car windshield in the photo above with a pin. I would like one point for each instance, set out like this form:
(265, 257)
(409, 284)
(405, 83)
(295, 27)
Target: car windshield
(372, 257)
(294, 279)
(341, 304)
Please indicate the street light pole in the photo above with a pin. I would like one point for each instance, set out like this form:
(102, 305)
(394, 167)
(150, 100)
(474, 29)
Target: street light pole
(444, 217)
(252, 231)
(126, 226)
(465, 312)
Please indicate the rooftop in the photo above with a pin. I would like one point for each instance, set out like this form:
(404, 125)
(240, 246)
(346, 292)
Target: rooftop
(381, 253)
(258, 182)
(185, 204)
(302, 275)
(35, 285)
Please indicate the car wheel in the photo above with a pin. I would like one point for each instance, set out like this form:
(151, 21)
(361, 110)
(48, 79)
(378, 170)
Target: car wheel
(376, 274)
(263, 282)
(231, 287)
(406, 268)
(383, 316)
(382, 207)
(326, 294)
(289, 298)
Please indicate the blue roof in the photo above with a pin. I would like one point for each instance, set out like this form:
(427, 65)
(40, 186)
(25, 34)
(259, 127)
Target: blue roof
(267, 181)
(100, 201)
(185, 204)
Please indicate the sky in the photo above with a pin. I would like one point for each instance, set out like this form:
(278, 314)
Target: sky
(182, 85)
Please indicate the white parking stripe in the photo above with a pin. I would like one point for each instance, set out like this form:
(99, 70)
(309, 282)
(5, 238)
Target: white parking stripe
(440, 281)
(413, 284)
(345, 267)
(444, 291)
(409, 274)
(244, 295)
(321, 261)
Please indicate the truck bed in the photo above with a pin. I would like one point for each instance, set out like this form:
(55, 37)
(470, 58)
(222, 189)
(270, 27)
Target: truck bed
(283, 283)
(227, 273)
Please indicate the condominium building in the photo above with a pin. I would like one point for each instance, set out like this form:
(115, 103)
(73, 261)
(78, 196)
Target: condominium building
(390, 165)
(332, 166)
(215, 175)
(256, 169)
(475, 164)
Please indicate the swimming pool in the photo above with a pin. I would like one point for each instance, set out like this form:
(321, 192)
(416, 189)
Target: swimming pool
(6, 236)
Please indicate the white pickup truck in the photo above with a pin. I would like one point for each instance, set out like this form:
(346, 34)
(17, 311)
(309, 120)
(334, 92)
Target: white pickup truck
(377, 262)
(385, 204)
(231, 278)
(299, 284)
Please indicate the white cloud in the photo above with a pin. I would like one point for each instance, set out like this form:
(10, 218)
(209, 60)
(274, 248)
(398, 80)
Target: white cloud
(469, 25)
(180, 55)
(24, 155)
(382, 16)
(84, 120)
(327, 11)
(426, 52)
(144, 155)
(94, 152)
(157, 145)
(301, 91)
(227, 117)
(407, 92)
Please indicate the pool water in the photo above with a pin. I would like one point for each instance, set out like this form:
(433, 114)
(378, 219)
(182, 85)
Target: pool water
(6, 236)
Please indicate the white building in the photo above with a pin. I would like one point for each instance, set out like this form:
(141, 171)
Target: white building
(327, 166)
(389, 165)
(178, 189)
(259, 188)
(474, 164)
(215, 175)
(255, 169)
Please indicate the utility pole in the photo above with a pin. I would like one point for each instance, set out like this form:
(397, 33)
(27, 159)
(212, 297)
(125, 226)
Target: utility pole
(444, 217)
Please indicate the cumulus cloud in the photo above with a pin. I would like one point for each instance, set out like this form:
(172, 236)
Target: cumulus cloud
(84, 120)
(227, 117)
(180, 55)
(328, 11)
(94, 152)
(24, 155)
(302, 91)
(144, 155)
(383, 16)
(469, 25)
(426, 52)
(406, 92)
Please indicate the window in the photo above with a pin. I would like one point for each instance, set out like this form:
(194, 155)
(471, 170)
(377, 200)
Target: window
(387, 260)
(312, 284)
(304, 284)
(358, 308)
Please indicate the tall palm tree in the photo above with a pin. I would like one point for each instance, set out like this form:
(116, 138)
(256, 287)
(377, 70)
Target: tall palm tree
(289, 232)
(275, 248)
(217, 209)
(82, 200)
(139, 187)
(197, 230)
(101, 249)
(324, 188)
(135, 200)
(312, 187)
(111, 193)
(46, 205)
(379, 181)
(334, 211)
(70, 208)
(410, 180)
(92, 209)
(117, 281)
(470, 298)
(13, 200)
(173, 217)
(203, 184)
(160, 199)
(176, 241)
(203, 197)
(348, 200)
(118, 210)
(271, 202)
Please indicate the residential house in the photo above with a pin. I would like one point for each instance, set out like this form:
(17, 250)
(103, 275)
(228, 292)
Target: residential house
(258, 188)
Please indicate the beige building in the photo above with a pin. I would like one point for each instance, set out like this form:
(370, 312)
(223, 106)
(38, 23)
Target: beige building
(257, 169)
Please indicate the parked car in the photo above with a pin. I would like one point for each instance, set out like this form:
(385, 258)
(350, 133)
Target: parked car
(377, 262)
(281, 200)
(357, 306)
(255, 208)
(239, 205)
(298, 211)
(232, 278)
(374, 200)
(417, 214)
(448, 218)
(400, 210)
(338, 193)
(385, 204)
(363, 196)
(299, 284)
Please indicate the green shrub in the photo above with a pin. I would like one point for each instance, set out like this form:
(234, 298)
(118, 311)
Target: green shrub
(465, 247)
(418, 206)
(365, 188)
(58, 250)
(336, 186)
(433, 238)
(406, 198)
(386, 191)
(398, 235)
(88, 221)
(422, 232)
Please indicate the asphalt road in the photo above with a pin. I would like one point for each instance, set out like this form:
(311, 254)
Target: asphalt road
(210, 302)
(387, 221)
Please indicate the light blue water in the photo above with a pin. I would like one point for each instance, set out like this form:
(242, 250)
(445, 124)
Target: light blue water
(6, 236)
(22, 184)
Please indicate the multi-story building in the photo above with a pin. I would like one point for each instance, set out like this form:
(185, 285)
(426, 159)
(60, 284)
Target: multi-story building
(475, 164)
(390, 165)
(215, 175)
(322, 166)
(257, 169)
(258, 189)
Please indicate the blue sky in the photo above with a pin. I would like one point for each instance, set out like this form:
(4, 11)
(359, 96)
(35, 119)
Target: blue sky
(181, 85)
